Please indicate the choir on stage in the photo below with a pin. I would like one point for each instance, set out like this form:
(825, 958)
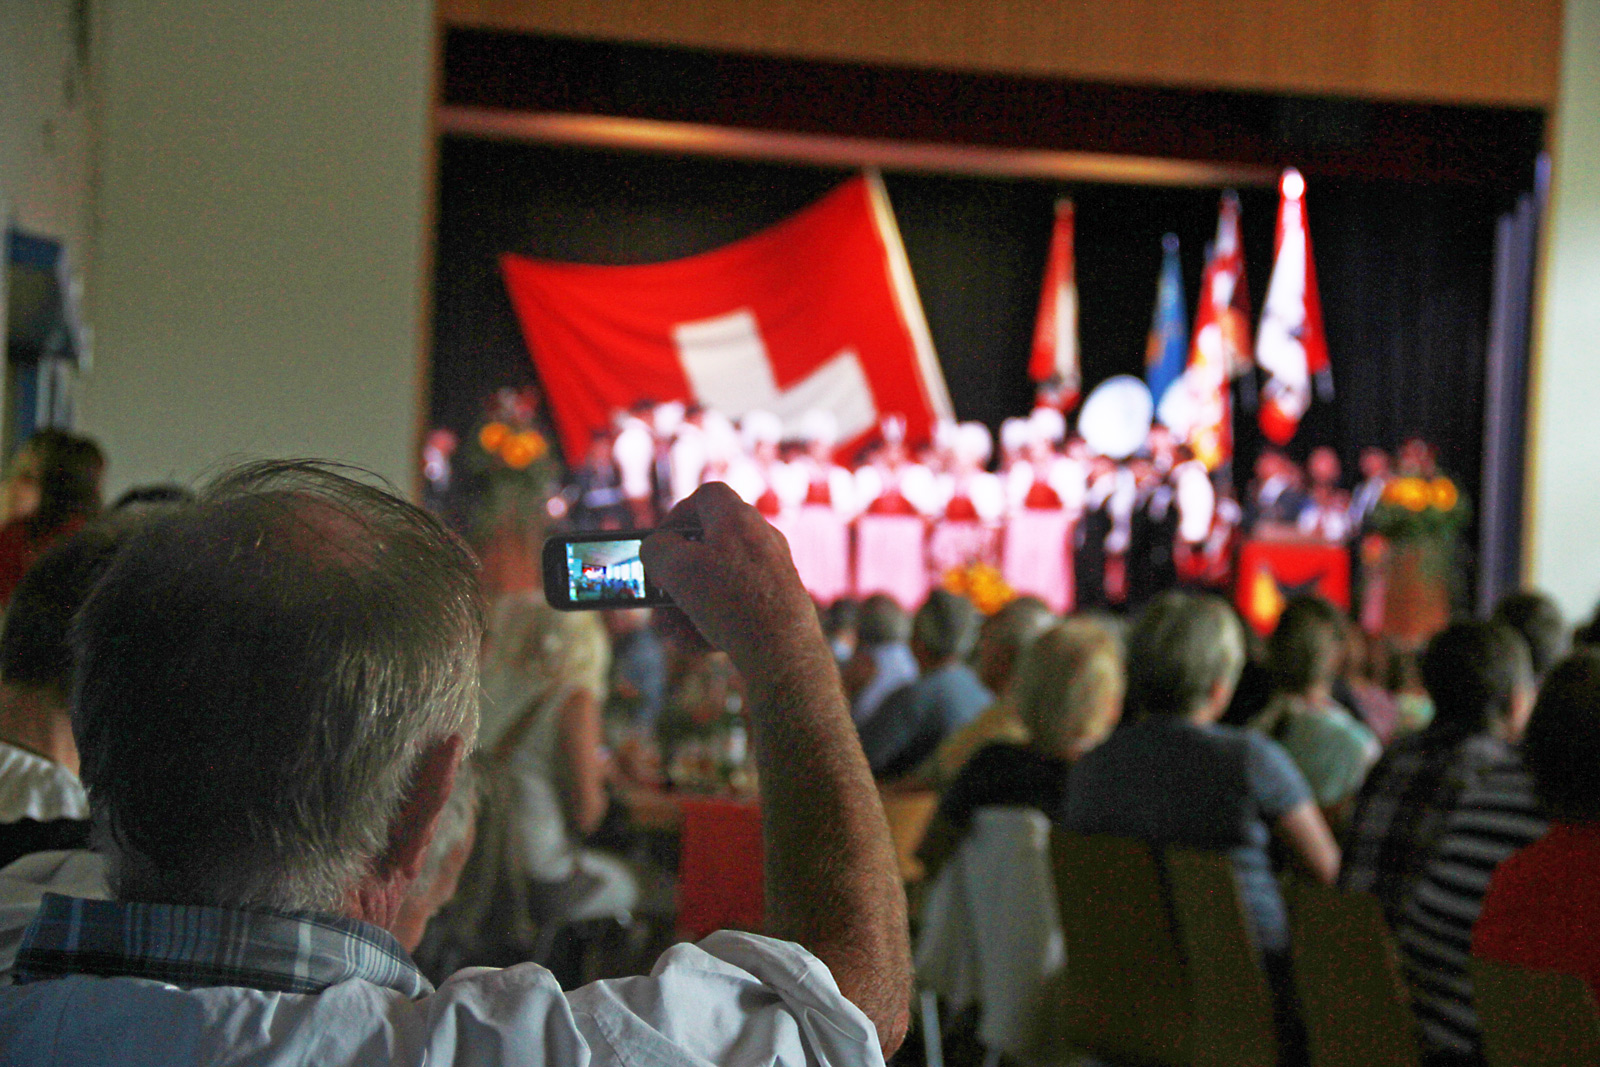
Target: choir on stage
(1049, 514)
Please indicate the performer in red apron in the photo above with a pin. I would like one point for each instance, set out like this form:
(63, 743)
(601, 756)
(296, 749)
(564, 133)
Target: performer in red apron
(1045, 492)
(972, 503)
(820, 495)
(758, 473)
(898, 496)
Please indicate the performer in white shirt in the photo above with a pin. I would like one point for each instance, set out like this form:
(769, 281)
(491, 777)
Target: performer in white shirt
(634, 451)
(821, 496)
(687, 455)
(1326, 515)
(722, 446)
(972, 503)
(1014, 435)
(1196, 497)
(1045, 493)
(898, 496)
(757, 473)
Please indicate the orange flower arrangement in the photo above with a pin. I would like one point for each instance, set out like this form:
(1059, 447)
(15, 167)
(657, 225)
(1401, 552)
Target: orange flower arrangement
(980, 583)
(1417, 507)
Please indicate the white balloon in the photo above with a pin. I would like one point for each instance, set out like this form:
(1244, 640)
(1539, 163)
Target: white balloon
(1116, 418)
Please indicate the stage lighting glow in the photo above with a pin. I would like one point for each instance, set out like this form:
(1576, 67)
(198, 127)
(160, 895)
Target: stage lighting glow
(1293, 185)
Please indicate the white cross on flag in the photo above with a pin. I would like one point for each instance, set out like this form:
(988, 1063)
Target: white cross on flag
(818, 311)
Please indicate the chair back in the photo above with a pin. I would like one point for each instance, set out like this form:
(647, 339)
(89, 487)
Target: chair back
(1232, 1005)
(1013, 905)
(1353, 998)
(909, 815)
(1123, 994)
(1534, 1018)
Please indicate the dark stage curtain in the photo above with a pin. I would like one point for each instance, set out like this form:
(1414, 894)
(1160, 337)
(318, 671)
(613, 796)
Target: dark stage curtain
(1405, 270)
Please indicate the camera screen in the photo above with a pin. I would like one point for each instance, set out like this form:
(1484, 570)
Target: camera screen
(604, 570)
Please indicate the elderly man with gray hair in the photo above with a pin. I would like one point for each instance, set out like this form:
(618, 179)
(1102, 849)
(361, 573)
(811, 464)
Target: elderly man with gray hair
(275, 688)
(946, 696)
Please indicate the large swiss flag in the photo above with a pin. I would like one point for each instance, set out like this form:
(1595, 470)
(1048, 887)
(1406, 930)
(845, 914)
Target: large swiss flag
(819, 311)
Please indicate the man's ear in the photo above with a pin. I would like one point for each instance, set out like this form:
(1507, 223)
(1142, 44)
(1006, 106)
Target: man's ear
(425, 797)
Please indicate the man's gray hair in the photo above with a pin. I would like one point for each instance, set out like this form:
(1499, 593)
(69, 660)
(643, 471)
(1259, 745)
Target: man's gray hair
(257, 673)
(1183, 645)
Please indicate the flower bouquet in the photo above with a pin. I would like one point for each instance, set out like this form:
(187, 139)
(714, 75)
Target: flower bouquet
(980, 583)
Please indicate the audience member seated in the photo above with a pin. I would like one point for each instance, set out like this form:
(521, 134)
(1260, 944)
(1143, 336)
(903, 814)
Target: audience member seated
(42, 803)
(1172, 775)
(1413, 706)
(1330, 747)
(1003, 639)
(1494, 817)
(1481, 684)
(1542, 911)
(839, 627)
(945, 697)
(70, 470)
(1537, 619)
(1067, 694)
(1358, 688)
(275, 687)
(638, 679)
(882, 663)
(544, 676)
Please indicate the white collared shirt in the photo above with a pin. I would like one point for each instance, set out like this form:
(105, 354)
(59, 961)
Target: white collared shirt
(733, 998)
(32, 787)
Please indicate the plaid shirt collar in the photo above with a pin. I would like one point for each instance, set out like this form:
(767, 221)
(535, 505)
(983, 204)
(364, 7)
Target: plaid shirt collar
(197, 945)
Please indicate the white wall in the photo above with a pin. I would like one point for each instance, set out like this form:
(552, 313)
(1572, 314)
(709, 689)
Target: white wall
(46, 106)
(258, 278)
(1564, 516)
(47, 120)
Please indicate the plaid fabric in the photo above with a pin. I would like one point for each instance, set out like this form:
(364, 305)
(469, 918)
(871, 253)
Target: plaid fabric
(1402, 808)
(195, 945)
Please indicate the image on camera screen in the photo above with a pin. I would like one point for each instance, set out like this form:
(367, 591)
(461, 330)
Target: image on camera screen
(604, 570)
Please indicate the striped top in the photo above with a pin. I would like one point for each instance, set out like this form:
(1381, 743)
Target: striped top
(1494, 818)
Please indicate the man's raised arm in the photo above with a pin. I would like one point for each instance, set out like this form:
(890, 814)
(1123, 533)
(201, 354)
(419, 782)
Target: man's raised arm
(832, 883)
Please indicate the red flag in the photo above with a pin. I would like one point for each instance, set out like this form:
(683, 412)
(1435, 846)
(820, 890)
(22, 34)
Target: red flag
(1219, 350)
(1055, 335)
(819, 311)
(1291, 347)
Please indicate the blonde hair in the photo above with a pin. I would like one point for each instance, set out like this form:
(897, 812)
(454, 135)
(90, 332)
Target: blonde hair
(532, 652)
(1068, 690)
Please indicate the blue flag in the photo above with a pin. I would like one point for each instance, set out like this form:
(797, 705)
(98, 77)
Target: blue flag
(1166, 352)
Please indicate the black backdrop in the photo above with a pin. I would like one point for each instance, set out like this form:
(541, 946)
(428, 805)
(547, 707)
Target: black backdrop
(1405, 273)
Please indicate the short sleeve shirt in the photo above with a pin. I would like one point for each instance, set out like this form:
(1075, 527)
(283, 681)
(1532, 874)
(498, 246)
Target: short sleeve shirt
(1168, 781)
(1330, 747)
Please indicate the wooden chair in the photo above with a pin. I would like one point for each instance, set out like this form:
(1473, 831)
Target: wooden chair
(1232, 1005)
(909, 815)
(1123, 994)
(1353, 997)
(1534, 1018)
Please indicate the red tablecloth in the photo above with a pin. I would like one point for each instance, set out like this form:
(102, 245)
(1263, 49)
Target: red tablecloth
(720, 882)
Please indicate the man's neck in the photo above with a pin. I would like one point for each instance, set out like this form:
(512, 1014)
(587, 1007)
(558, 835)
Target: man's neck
(34, 718)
